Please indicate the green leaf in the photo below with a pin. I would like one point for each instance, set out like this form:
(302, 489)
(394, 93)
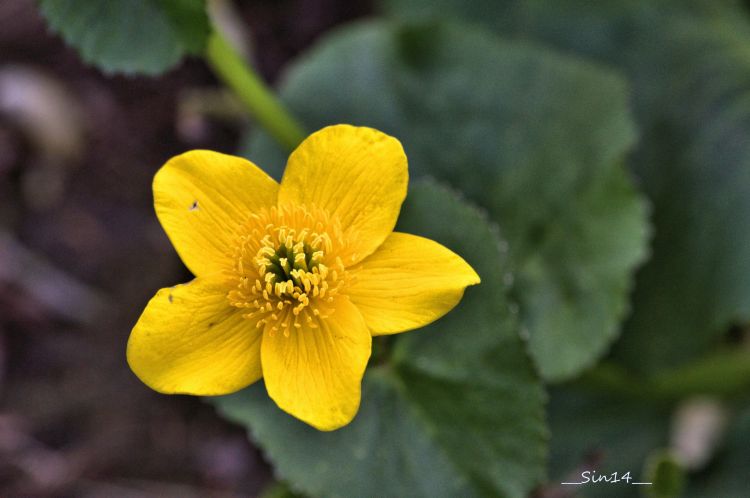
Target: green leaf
(536, 139)
(695, 165)
(690, 69)
(130, 36)
(456, 411)
(578, 25)
(190, 22)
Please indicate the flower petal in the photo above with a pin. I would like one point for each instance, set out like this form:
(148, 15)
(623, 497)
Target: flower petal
(189, 340)
(407, 283)
(356, 174)
(315, 374)
(202, 197)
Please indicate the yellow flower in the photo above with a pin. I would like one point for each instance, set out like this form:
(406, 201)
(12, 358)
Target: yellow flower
(292, 279)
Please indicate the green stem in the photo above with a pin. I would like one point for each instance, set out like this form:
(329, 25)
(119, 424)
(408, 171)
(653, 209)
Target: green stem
(721, 373)
(267, 110)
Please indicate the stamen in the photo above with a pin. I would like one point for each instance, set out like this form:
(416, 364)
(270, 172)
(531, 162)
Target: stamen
(287, 269)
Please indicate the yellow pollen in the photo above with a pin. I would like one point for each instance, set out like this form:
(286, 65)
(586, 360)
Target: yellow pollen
(287, 271)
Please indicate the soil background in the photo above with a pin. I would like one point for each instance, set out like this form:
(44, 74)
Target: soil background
(81, 253)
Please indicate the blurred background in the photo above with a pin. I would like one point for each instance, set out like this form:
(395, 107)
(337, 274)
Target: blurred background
(81, 252)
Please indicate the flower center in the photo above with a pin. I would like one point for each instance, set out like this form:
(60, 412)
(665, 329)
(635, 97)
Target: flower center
(286, 270)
